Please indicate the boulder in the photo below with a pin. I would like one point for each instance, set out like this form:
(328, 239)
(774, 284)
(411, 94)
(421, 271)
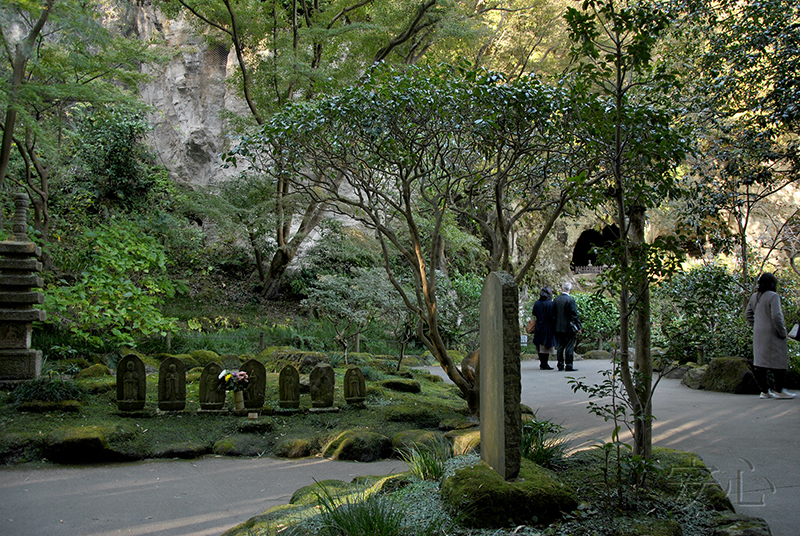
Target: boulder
(422, 416)
(693, 378)
(730, 375)
(294, 448)
(731, 524)
(597, 354)
(359, 445)
(95, 371)
(465, 440)
(84, 444)
(403, 386)
(483, 499)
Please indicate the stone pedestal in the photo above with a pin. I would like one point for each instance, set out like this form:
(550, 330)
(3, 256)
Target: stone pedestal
(18, 267)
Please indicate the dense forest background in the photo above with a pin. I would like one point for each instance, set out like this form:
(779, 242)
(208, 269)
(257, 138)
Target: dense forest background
(368, 162)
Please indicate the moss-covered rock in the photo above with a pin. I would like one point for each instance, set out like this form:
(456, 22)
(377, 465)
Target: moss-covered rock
(23, 447)
(241, 445)
(731, 524)
(483, 499)
(693, 378)
(95, 371)
(293, 448)
(308, 494)
(402, 385)
(730, 375)
(204, 357)
(184, 451)
(39, 406)
(358, 445)
(597, 354)
(84, 444)
(422, 416)
(465, 440)
(256, 426)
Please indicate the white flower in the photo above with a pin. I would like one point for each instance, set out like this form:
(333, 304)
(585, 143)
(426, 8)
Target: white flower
(222, 374)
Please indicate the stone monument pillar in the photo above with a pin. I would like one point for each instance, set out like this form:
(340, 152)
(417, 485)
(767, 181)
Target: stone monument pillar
(499, 375)
(18, 266)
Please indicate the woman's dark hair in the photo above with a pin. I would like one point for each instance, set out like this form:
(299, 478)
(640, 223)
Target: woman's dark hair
(766, 282)
(546, 294)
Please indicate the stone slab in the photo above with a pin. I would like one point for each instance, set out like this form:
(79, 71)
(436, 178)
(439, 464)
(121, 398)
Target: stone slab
(22, 315)
(25, 281)
(28, 298)
(20, 364)
(8, 247)
(499, 375)
(16, 335)
(27, 265)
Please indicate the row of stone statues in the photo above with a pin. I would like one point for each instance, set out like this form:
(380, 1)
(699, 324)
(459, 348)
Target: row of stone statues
(132, 385)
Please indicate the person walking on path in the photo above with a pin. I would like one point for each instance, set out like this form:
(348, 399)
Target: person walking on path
(544, 337)
(770, 349)
(568, 323)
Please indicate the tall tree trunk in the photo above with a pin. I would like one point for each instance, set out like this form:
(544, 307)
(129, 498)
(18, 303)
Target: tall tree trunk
(643, 362)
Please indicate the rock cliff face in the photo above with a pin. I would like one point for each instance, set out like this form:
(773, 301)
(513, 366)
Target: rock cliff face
(189, 95)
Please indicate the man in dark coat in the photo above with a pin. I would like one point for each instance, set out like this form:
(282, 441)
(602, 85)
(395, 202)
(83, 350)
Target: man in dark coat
(568, 323)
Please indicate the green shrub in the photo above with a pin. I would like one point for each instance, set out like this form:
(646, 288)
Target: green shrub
(47, 390)
(698, 315)
(116, 297)
(543, 442)
(426, 461)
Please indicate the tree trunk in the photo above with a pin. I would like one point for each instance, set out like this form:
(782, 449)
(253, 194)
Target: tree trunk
(272, 281)
(643, 363)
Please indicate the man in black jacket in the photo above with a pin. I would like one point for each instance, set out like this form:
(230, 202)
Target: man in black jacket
(568, 323)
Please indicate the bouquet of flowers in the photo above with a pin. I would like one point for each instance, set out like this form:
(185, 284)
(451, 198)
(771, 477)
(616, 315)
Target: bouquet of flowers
(235, 380)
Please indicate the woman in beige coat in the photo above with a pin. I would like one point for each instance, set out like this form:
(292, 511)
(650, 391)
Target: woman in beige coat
(770, 350)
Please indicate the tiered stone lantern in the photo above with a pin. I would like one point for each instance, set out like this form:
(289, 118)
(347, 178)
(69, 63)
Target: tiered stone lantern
(19, 267)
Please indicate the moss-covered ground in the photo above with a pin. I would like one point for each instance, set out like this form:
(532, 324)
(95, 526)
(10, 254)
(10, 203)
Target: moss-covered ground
(31, 435)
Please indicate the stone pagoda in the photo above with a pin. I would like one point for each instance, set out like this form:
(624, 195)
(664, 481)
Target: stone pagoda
(19, 267)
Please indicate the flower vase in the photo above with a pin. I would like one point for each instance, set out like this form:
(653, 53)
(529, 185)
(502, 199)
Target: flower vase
(238, 400)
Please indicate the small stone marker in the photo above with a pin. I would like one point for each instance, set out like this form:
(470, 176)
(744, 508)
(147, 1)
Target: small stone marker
(255, 392)
(499, 375)
(18, 262)
(322, 382)
(131, 383)
(355, 388)
(289, 388)
(211, 397)
(172, 385)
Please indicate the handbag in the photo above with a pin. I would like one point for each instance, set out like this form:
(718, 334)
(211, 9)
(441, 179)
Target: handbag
(794, 333)
(530, 326)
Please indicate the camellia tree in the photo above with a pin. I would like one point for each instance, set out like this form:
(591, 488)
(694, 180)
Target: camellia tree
(407, 150)
(745, 78)
(629, 124)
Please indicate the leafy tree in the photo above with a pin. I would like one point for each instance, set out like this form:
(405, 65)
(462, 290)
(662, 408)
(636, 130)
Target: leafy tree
(60, 58)
(746, 77)
(115, 300)
(313, 48)
(350, 303)
(698, 313)
(628, 124)
(414, 148)
(599, 316)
